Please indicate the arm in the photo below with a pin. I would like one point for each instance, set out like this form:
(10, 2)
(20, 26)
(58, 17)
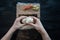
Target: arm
(9, 34)
(39, 27)
(15, 26)
(43, 32)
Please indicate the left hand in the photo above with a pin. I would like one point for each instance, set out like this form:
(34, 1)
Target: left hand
(17, 23)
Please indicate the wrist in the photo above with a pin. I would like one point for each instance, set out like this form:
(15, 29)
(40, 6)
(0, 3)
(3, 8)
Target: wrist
(40, 30)
(13, 28)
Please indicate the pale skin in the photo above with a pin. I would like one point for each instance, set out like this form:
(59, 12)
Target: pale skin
(17, 25)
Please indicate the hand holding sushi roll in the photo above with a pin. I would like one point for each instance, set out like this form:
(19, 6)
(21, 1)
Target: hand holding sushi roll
(38, 26)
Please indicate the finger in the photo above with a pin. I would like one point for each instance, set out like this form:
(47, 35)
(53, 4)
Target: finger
(34, 17)
(21, 17)
(31, 24)
(23, 25)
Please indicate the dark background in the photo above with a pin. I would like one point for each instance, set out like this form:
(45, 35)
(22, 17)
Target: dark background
(50, 15)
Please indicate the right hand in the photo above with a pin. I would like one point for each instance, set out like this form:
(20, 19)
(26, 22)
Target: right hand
(37, 25)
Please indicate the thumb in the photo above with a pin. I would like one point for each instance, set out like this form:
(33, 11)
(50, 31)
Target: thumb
(31, 24)
(22, 25)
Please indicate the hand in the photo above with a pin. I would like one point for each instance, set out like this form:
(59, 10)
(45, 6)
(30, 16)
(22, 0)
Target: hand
(17, 23)
(37, 25)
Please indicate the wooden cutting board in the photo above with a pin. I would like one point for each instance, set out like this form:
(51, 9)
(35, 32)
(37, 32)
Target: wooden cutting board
(21, 12)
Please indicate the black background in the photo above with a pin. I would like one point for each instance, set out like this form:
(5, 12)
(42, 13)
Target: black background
(50, 15)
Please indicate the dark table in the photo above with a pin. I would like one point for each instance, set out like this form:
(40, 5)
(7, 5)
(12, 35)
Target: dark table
(50, 15)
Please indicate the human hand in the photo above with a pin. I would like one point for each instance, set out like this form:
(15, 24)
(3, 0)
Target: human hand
(17, 24)
(37, 25)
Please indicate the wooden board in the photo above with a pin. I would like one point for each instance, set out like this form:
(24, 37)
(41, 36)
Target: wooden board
(21, 12)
